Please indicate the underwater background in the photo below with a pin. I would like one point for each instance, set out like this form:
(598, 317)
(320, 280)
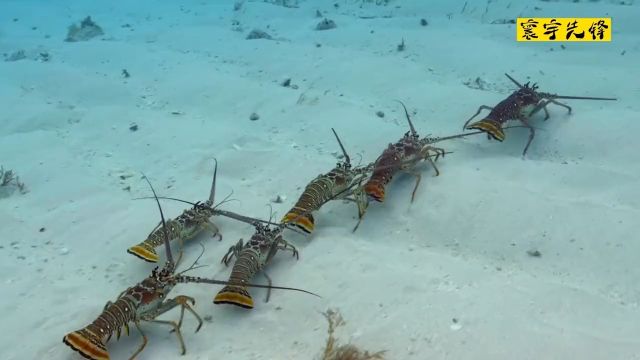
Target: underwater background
(499, 257)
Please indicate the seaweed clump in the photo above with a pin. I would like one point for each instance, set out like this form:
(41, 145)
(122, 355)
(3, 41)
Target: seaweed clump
(86, 31)
(334, 351)
(10, 181)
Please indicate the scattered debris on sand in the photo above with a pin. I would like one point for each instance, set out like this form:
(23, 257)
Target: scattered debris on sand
(9, 182)
(258, 34)
(86, 31)
(334, 351)
(326, 24)
(34, 55)
(16, 56)
(285, 3)
(534, 253)
(503, 21)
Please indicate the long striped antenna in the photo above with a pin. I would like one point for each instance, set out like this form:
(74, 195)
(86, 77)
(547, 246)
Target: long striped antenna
(201, 280)
(229, 214)
(432, 140)
(212, 194)
(413, 130)
(167, 245)
(554, 96)
(344, 152)
(270, 212)
(514, 80)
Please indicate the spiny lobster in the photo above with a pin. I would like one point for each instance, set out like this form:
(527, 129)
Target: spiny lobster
(404, 156)
(252, 257)
(144, 301)
(521, 105)
(187, 226)
(336, 184)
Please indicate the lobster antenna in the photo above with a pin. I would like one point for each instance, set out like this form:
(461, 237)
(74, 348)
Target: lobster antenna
(225, 200)
(359, 161)
(230, 214)
(193, 266)
(553, 96)
(200, 280)
(212, 194)
(438, 139)
(344, 152)
(270, 213)
(514, 80)
(579, 97)
(164, 227)
(413, 130)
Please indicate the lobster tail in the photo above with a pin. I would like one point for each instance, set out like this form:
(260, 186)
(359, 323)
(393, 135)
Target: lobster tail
(246, 266)
(384, 169)
(375, 190)
(234, 295)
(301, 218)
(90, 341)
(145, 252)
(87, 343)
(491, 127)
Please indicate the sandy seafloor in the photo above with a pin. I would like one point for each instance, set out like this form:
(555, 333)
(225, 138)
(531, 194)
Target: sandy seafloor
(458, 252)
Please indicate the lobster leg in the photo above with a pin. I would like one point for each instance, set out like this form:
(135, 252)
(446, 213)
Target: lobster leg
(542, 105)
(234, 250)
(183, 302)
(360, 198)
(264, 273)
(418, 179)
(561, 104)
(213, 228)
(176, 328)
(546, 113)
(144, 341)
(532, 133)
(358, 223)
(284, 245)
(482, 107)
(426, 156)
(363, 203)
(434, 166)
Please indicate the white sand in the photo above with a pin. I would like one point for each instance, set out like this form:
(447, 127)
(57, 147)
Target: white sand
(460, 251)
